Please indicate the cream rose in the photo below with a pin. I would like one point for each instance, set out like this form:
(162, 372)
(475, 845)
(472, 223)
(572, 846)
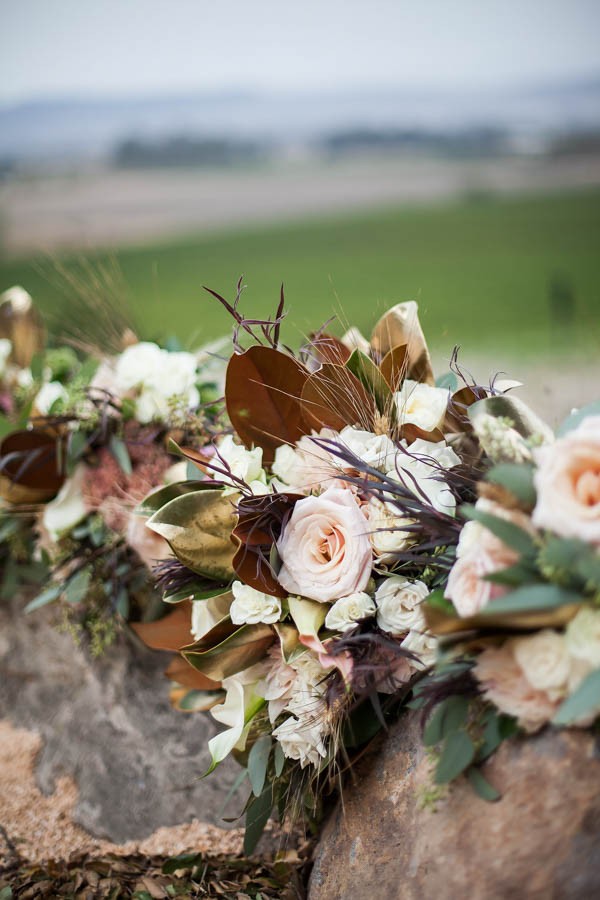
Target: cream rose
(376, 450)
(346, 612)
(422, 644)
(418, 469)
(307, 467)
(398, 605)
(582, 637)
(505, 685)
(302, 740)
(325, 547)
(544, 660)
(243, 464)
(389, 533)
(421, 405)
(251, 606)
(567, 480)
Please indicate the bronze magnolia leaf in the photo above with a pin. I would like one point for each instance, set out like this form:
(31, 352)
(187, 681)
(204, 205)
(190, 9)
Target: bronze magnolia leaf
(198, 528)
(170, 633)
(394, 366)
(333, 397)
(31, 466)
(245, 647)
(180, 671)
(262, 391)
(259, 526)
(400, 325)
(329, 349)
(187, 700)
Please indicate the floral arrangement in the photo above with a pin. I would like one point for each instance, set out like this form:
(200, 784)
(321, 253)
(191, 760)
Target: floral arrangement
(84, 438)
(310, 543)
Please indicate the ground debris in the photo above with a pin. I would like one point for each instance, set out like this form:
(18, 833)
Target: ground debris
(188, 875)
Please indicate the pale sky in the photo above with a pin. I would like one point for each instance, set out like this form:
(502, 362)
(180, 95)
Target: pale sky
(116, 47)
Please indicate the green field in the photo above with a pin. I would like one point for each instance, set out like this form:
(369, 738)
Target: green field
(480, 269)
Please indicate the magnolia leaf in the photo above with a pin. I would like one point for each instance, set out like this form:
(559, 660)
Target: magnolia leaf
(481, 785)
(31, 469)
(158, 498)
(394, 366)
(518, 479)
(262, 391)
(170, 633)
(328, 349)
(289, 640)
(458, 752)
(191, 593)
(185, 700)
(371, 377)
(240, 650)
(400, 325)
(583, 702)
(21, 323)
(333, 397)
(308, 615)
(180, 671)
(258, 760)
(198, 528)
(577, 416)
(522, 418)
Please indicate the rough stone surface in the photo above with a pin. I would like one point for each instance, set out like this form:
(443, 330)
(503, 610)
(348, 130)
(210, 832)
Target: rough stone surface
(108, 724)
(541, 840)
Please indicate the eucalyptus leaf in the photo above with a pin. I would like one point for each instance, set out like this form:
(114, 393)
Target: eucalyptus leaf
(257, 816)
(119, 450)
(531, 598)
(77, 586)
(258, 760)
(458, 753)
(584, 701)
(47, 596)
(481, 785)
(278, 759)
(518, 479)
(448, 382)
(577, 416)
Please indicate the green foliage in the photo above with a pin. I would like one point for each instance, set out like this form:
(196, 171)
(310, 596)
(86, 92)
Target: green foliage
(508, 532)
(258, 761)
(532, 598)
(480, 271)
(585, 700)
(518, 479)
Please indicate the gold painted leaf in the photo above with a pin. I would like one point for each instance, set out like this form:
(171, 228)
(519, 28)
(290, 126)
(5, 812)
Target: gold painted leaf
(21, 323)
(242, 649)
(400, 325)
(198, 527)
(443, 624)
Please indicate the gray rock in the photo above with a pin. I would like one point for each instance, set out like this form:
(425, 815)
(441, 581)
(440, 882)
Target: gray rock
(541, 840)
(108, 723)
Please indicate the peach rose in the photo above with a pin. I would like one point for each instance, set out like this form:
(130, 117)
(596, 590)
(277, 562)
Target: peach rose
(506, 686)
(567, 480)
(325, 547)
(480, 553)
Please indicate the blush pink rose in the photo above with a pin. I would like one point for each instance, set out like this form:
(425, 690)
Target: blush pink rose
(567, 480)
(150, 547)
(325, 547)
(480, 553)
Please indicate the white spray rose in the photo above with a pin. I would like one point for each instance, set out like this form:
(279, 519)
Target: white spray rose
(138, 366)
(48, 396)
(346, 612)
(376, 450)
(243, 464)
(398, 605)
(389, 532)
(421, 405)
(419, 471)
(251, 606)
(303, 740)
(422, 644)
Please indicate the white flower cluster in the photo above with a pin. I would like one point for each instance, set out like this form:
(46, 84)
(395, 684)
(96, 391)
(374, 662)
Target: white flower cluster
(154, 378)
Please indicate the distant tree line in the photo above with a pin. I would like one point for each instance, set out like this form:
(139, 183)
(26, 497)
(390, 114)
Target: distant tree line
(182, 151)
